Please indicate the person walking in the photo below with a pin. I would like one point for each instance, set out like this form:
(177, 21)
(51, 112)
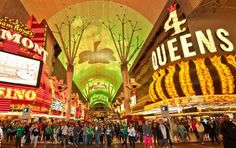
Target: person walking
(132, 134)
(35, 135)
(147, 133)
(228, 130)
(19, 134)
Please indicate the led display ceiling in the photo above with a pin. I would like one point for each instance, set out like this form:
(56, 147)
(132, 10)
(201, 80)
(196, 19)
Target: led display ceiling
(97, 65)
(19, 70)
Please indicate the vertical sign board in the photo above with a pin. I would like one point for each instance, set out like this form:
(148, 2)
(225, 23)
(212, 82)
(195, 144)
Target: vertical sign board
(165, 111)
(26, 113)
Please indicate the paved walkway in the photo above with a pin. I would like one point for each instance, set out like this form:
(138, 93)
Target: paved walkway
(189, 145)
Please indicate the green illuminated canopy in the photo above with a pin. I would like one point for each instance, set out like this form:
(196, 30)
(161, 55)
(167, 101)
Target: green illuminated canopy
(97, 69)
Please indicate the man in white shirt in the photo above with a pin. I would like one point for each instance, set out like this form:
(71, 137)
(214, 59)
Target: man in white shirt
(64, 134)
(163, 134)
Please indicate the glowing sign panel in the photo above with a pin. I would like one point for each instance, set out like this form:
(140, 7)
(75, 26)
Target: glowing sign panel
(14, 93)
(169, 51)
(57, 105)
(19, 70)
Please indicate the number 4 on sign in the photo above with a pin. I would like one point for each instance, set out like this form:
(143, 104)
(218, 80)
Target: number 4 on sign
(173, 21)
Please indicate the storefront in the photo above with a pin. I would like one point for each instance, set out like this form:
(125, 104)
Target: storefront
(24, 78)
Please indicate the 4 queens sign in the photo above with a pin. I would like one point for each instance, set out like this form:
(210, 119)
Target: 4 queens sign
(180, 46)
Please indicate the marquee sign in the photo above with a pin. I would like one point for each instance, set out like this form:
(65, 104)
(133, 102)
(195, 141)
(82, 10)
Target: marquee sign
(19, 94)
(16, 26)
(15, 31)
(181, 47)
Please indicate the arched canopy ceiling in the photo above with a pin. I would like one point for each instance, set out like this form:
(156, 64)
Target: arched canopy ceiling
(97, 68)
(44, 9)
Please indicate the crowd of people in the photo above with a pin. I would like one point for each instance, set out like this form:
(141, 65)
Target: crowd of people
(158, 132)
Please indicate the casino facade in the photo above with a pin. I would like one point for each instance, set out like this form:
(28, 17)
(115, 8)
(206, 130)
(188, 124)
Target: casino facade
(175, 55)
(192, 53)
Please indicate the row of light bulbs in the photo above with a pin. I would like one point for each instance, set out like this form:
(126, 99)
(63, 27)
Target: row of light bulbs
(206, 82)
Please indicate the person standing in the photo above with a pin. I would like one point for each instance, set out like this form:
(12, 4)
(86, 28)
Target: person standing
(140, 131)
(35, 135)
(1, 134)
(132, 133)
(64, 134)
(97, 133)
(228, 130)
(147, 133)
(85, 134)
(71, 134)
(154, 133)
(200, 130)
(212, 131)
(90, 134)
(9, 131)
(182, 131)
(117, 131)
(109, 134)
(27, 133)
(163, 134)
(124, 134)
(48, 134)
(175, 130)
(102, 133)
(19, 134)
(194, 128)
(77, 131)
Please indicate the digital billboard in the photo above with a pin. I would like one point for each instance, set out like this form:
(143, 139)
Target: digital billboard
(19, 70)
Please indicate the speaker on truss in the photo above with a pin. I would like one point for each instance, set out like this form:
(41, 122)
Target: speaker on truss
(57, 50)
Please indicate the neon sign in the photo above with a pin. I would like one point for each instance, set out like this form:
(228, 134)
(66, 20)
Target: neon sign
(16, 26)
(57, 105)
(15, 93)
(169, 51)
(26, 42)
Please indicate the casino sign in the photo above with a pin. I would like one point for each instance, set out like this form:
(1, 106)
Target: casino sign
(184, 69)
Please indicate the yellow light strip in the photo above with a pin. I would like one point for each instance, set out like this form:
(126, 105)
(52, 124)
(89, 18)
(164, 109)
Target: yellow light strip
(231, 60)
(227, 80)
(204, 77)
(152, 92)
(185, 80)
(158, 85)
(169, 83)
(186, 101)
